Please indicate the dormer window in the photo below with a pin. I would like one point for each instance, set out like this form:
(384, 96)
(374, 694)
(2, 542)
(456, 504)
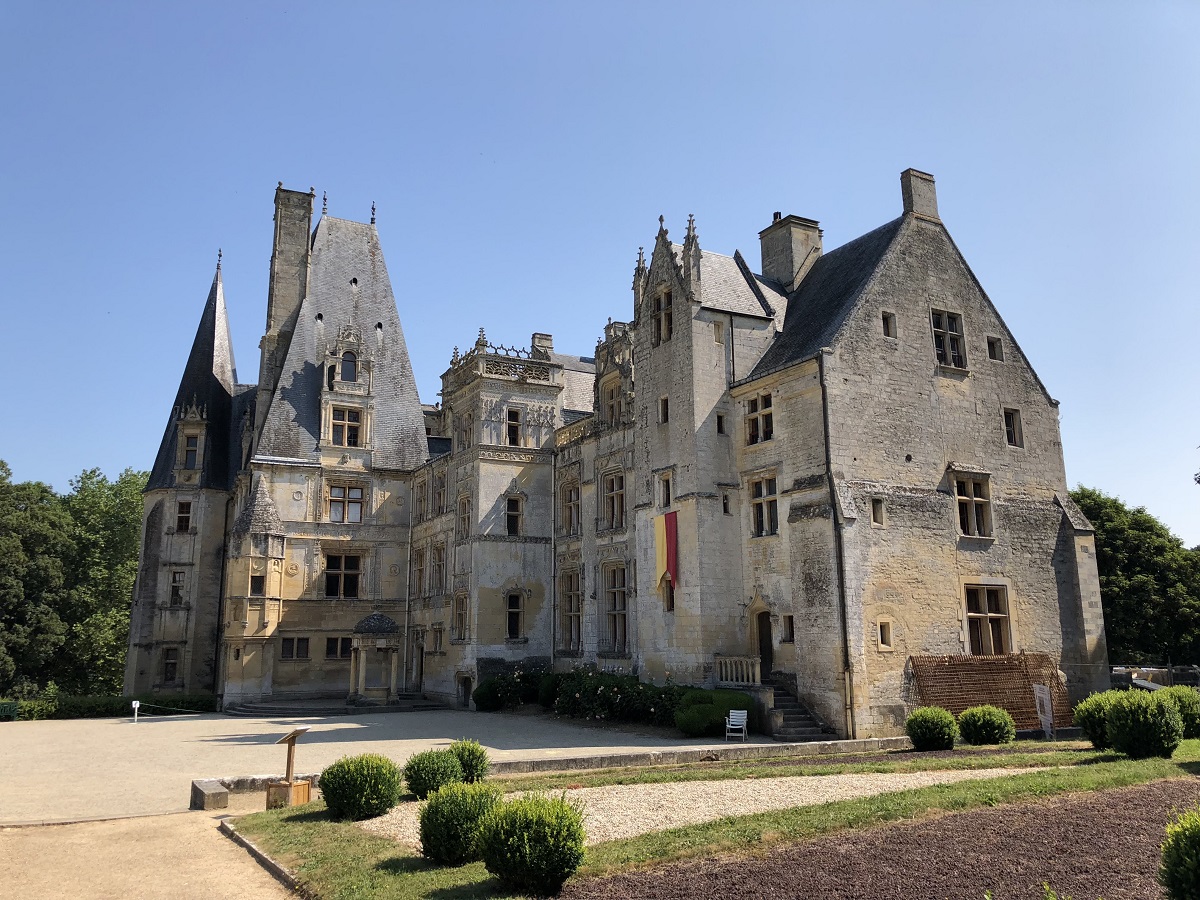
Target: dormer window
(191, 451)
(349, 367)
(346, 425)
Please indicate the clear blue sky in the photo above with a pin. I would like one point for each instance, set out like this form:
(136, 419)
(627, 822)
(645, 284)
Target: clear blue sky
(520, 153)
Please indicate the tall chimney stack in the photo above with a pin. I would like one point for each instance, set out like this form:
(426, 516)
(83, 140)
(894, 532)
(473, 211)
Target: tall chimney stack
(790, 246)
(920, 196)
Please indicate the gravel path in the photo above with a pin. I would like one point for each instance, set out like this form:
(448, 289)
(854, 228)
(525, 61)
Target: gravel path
(625, 810)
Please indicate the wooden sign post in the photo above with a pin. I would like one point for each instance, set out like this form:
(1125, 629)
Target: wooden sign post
(289, 792)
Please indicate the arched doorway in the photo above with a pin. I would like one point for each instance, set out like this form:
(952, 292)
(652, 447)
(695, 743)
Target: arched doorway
(766, 645)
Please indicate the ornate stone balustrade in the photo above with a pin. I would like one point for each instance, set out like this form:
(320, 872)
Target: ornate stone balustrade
(737, 670)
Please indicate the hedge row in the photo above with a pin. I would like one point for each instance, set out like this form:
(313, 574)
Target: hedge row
(51, 705)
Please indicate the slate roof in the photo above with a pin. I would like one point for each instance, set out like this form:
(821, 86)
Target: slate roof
(438, 446)
(728, 285)
(579, 380)
(816, 311)
(341, 251)
(259, 515)
(377, 623)
(208, 382)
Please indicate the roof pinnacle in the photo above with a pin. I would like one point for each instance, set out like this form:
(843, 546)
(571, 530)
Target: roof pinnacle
(324, 202)
(218, 259)
(372, 212)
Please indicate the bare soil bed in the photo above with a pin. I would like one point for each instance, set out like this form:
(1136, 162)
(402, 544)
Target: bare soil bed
(1103, 844)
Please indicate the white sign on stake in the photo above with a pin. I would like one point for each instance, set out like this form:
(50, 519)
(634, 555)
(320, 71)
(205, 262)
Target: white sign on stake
(1045, 708)
(136, 704)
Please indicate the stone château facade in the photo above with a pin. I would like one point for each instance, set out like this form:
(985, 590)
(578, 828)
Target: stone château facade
(813, 473)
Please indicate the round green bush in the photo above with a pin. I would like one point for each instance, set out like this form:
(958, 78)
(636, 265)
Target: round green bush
(487, 696)
(450, 819)
(473, 759)
(548, 689)
(1188, 701)
(987, 725)
(1179, 869)
(1091, 715)
(533, 843)
(699, 720)
(1142, 724)
(360, 787)
(425, 772)
(931, 728)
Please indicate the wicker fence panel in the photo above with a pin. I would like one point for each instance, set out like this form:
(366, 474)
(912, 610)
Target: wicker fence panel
(960, 682)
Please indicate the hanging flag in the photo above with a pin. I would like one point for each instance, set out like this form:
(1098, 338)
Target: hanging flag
(672, 541)
(660, 550)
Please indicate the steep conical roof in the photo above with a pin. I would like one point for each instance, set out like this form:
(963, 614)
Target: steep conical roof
(349, 292)
(206, 390)
(259, 515)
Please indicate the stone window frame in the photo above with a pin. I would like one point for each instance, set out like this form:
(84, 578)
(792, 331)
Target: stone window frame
(726, 506)
(662, 317)
(438, 630)
(348, 358)
(191, 449)
(612, 401)
(760, 418)
(439, 493)
(420, 500)
(183, 516)
(949, 339)
(514, 426)
(878, 513)
(613, 484)
(885, 634)
(341, 573)
(665, 485)
(465, 428)
(462, 525)
(570, 639)
(460, 623)
(294, 649)
(514, 515)
(346, 500)
(763, 490)
(514, 613)
(1006, 616)
(437, 568)
(258, 585)
(170, 661)
(995, 347)
(787, 629)
(721, 428)
(718, 332)
(973, 504)
(354, 433)
(178, 588)
(1014, 434)
(889, 325)
(416, 569)
(664, 410)
(615, 640)
(569, 508)
(342, 647)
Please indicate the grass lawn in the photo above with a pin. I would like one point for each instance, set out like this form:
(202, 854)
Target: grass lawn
(339, 860)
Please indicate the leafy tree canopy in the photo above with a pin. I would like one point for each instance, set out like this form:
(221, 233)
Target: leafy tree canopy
(67, 566)
(1149, 583)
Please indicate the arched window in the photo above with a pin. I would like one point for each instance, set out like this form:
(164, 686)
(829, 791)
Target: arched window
(349, 367)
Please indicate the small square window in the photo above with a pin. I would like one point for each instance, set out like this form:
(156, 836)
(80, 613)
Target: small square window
(258, 585)
(346, 426)
(183, 516)
(889, 325)
(877, 511)
(1012, 428)
(995, 349)
(789, 630)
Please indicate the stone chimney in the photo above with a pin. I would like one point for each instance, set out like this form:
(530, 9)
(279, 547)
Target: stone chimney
(541, 345)
(790, 246)
(920, 196)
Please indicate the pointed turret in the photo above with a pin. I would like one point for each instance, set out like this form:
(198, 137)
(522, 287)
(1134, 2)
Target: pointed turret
(194, 449)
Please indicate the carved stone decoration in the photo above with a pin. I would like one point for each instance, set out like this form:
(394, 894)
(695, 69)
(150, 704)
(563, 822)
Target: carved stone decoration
(393, 570)
(297, 495)
(613, 551)
(292, 570)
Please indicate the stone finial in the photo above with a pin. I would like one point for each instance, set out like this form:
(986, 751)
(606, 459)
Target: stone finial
(481, 341)
(324, 202)
(218, 259)
(372, 212)
(691, 226)
(454, 357)
(661, 220)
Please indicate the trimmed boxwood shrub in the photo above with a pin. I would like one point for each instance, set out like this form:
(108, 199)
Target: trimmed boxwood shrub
(1179, 869)
(450, 818)
(1143, 724)
(1188, 701)
(932, 728)
(533, 843)
(360, 787)
(1091, 715)
(425, 772)
(473, 759)
(699, 720)
(987, 725)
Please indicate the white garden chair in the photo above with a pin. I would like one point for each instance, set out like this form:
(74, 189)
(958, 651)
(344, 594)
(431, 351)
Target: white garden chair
(735, 723)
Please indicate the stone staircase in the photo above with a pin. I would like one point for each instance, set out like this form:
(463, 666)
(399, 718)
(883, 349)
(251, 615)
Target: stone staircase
(290, 708)
(798, 723)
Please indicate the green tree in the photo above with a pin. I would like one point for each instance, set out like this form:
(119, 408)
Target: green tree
(101, 567)
(35, 536)
(1149, 583)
